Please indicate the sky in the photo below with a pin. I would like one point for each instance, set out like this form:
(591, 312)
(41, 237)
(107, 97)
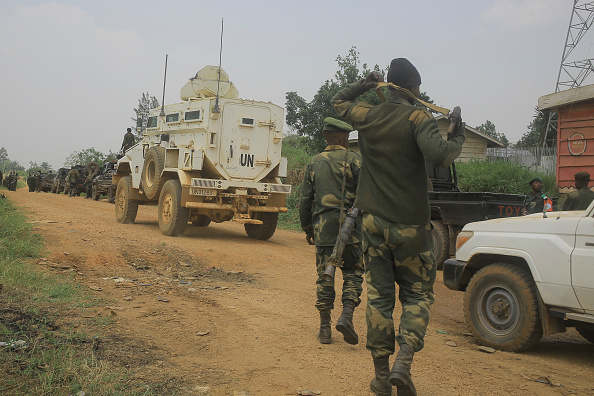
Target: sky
(71, 72)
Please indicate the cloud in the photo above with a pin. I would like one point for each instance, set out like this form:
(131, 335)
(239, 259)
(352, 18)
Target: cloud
(522, 15)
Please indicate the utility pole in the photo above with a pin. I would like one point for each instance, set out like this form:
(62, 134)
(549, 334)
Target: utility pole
(572, 73)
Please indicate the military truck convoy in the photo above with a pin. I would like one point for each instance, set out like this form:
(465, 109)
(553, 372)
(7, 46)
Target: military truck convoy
(212, 157)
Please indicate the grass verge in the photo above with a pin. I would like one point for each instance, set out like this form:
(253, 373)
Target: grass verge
(45, 352)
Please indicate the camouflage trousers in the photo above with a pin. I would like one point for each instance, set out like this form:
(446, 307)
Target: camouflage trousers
(402, 254)
(352, 276)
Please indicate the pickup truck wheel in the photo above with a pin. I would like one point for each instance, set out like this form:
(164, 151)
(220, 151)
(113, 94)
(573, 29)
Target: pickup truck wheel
(586, 331)
(173, 218)
(501, 308)
(202, 221)
(154, 163)
(265, 230)
(441, 243)
(125, 208)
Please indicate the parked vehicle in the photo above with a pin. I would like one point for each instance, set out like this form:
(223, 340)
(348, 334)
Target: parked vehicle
(526, 277)
(103, 184)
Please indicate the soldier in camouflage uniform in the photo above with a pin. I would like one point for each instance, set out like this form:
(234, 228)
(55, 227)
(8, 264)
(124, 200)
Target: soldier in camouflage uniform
(72, 179)
(396, 138)
(581, 198)
(320, 214)
(128, 141)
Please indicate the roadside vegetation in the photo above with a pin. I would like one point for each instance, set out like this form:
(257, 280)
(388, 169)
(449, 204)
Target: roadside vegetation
(44, 353)
(473, 176)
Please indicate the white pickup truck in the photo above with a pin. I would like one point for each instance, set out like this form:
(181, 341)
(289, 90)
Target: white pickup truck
(526, 277)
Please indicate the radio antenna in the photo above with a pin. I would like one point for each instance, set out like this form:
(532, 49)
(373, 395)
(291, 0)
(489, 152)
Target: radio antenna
(164, 81)
(216, 107)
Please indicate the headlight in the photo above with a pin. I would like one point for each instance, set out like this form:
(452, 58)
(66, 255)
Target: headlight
(463, 237)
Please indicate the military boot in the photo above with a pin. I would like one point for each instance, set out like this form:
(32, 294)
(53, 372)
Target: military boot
(380, 385)
(345, 323)
(325, 334)
(400, 375)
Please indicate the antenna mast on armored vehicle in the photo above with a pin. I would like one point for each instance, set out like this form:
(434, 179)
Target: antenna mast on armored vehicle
(164, 81)
(216, 107)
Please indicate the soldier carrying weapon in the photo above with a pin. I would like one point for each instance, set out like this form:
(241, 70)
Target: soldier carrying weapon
(328, 190)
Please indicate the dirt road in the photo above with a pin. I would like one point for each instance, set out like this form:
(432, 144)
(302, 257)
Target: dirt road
(215, 309)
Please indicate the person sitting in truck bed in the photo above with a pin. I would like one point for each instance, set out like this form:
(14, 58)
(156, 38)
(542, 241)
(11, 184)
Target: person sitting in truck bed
(536, 201)
(581, 198)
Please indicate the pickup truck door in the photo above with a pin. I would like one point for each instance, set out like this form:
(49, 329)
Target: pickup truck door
(582, 263)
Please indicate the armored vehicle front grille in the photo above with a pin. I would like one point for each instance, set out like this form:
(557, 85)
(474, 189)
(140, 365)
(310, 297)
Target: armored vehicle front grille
(205, 183)
(280, 188)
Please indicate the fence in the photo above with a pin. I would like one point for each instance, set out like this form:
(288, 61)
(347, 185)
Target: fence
(541, 159)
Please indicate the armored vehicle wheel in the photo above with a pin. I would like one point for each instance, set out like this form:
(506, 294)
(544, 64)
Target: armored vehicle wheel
(586, 330)
(501, 308)
(111, 194)
(203, 221)
(92, 168)
(173, 218)
(125, 208)
(441, 243)
(262, 231)
(95, 194)
(154, 162)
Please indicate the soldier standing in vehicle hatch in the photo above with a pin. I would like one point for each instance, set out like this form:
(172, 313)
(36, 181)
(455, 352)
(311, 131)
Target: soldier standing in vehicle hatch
(128, 141)
(322, 192)
(396, 138)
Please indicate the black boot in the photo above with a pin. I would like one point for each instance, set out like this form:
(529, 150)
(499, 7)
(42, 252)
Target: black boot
(345, 323)
(325, 334)
(400, 375)
(380, 385)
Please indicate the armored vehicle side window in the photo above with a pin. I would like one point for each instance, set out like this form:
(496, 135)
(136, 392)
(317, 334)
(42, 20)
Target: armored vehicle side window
(173, 117)
(152, 122)
(192, 115)
(247, 121)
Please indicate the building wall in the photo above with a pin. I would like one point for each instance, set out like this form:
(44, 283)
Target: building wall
(574, 118)
(475, 146)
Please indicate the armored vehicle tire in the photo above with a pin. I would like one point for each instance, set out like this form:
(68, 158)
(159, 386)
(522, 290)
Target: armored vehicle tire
(94, 193)
(92, 167)
(501, 308)
(441, 242)
(173, 218)
(202, 221)
(154, 162)
(125, 208)
(586, 330)
(111, 194)
(262, 231)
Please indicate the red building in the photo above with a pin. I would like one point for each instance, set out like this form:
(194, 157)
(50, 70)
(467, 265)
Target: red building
(575, 133)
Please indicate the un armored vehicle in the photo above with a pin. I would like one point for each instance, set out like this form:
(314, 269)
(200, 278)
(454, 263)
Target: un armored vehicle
(103, 183)
(212, 157)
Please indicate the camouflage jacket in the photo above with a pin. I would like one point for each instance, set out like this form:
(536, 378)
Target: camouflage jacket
(72, 176)
(578, 200)
(319, 206)
(129, 140)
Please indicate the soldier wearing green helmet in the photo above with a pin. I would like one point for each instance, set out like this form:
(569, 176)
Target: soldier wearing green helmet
(327, 192)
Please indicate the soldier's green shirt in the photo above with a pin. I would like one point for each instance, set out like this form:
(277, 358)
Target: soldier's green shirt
(73, 176)
(578, 200)
(319, 206)
(534, 204)
(396, 138)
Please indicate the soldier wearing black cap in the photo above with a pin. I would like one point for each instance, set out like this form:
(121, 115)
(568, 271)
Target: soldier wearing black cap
(580, 199)
(396, 138)
(128, 141)
(323, 197)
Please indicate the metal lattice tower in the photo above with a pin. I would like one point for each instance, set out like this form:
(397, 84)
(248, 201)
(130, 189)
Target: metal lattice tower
(572, 73)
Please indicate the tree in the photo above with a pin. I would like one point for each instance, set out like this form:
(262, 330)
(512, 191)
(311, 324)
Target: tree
(306, 118)
(34, 167)
(85, 156)
(3, 155)
(488, 128)
(145, 104)
(536, 130)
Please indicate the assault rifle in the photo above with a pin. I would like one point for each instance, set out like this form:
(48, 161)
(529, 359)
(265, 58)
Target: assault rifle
(341, 241)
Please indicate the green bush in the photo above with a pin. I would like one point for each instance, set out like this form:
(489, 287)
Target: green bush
(500, 177)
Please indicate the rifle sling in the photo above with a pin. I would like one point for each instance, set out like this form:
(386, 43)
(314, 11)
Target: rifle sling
(406, 91)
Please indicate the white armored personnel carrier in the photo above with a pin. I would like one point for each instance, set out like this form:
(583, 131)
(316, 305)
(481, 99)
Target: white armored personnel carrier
(209, 158)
